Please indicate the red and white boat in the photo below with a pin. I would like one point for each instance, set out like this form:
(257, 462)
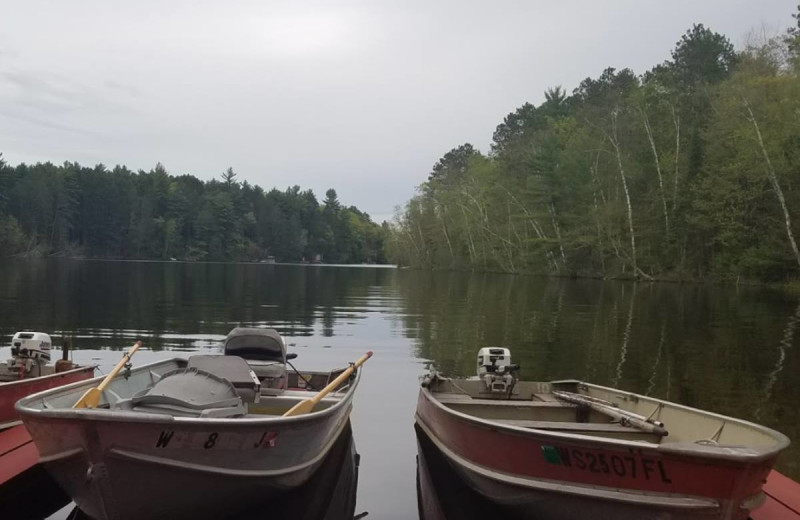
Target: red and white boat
(28, 372)
(574, 450)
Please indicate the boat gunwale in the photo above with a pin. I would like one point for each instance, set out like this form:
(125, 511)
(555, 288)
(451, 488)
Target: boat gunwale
(54, 375)
(23, 410)
(754, 455)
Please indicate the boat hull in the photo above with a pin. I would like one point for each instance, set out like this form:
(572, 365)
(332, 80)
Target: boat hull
(12, 392)
(330, 494)
(119, 465)
(561, 476)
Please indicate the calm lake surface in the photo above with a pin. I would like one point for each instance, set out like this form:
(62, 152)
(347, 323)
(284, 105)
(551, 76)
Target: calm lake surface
(726, 349)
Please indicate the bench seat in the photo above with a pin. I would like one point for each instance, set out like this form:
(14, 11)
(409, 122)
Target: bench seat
(465, 400)
(569, 426)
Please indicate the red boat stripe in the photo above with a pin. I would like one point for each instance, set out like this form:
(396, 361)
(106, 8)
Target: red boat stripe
(587, 462)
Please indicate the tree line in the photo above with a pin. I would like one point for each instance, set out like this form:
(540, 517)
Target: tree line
(687, 171)
(72, 210)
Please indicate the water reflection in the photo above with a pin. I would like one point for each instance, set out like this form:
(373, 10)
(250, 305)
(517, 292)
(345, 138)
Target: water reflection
(443, 495)
(726, 349)
(708, 347)
(31, 495)
(786, 343)
(626, 337)
(183, 306)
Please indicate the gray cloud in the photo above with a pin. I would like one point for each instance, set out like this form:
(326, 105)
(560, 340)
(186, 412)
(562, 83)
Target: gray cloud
(360, 96)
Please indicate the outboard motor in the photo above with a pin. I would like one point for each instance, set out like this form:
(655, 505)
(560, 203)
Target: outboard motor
(31, 351)
(496, 370)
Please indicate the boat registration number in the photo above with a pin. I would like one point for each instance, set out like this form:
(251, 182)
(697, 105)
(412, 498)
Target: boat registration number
(215, 440)
(632, 466)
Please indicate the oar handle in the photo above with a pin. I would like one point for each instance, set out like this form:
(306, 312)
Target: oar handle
(625, 417)
(341, 377)
(126, 357)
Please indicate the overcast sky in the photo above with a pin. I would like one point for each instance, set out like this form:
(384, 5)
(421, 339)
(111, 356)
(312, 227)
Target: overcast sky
(363, 97)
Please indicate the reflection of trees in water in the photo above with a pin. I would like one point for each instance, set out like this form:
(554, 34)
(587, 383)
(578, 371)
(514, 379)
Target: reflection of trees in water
(107, 303)
(544, 321)
(626, 336)
(653, 375)
(698, 345)
(593, 355)
(787, 342)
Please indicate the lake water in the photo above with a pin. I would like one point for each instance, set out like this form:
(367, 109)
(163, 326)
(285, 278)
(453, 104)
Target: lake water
(732, 350)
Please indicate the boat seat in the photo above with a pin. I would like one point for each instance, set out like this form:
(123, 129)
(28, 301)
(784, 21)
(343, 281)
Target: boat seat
(462, 399)
(569, 426)
(597, 429)
(234, 369)
(255, 344)
(187, 392)
(272, 374)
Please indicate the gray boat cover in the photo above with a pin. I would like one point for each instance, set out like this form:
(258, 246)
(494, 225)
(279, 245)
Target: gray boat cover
(234, 369)
(189, 392)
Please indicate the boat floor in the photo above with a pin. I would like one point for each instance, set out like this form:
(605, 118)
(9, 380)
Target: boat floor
(539, 402)
(542, 412)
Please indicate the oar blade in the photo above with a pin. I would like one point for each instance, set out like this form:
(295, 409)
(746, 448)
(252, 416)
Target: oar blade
(300, 408)
(92, 396)
(90, 399)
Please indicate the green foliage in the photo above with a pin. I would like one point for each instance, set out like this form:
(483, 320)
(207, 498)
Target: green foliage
(117, 213)
(12, 239)
(792, 39)
(451, 168)
(688, 171)
(702, 56)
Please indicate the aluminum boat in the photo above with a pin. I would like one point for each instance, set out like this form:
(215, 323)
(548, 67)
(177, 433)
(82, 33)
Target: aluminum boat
(29, 371)
(202, 437)
(573, 450)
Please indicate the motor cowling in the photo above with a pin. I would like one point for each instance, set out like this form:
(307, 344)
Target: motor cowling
(496, 370)
(30, 349)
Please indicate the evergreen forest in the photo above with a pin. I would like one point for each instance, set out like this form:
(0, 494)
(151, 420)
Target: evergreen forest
(688, 171)
(70, 210)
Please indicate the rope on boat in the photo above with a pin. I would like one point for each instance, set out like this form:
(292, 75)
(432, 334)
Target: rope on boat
(453, 383)
(341, 389)
(427, 379)
(308, 383)
(624, 417)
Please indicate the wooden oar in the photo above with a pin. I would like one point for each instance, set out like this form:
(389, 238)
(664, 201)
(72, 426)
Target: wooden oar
(91, 397)
(308, 405)
(624, 417)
